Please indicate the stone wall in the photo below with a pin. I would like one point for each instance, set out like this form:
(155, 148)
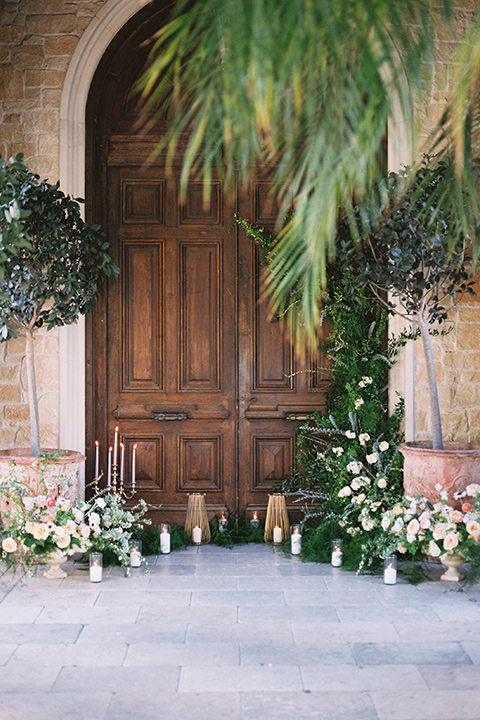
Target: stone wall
(37, 40)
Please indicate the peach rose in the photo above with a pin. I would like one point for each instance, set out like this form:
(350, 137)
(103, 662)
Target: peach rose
(41, 531)
(473, 489)
(450, 541)
(466, 507)
(456, 516)
(84, 530)
(30, 526)
(413, 527)
(473, 528)
(63, 540)
(70, 527)
(9, 545)
(439, 531)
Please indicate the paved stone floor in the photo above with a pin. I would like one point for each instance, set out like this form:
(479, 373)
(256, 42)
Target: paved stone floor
(243, 634)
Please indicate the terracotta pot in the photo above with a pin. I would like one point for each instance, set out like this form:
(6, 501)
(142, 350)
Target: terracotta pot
(55, 477)
(454, 467)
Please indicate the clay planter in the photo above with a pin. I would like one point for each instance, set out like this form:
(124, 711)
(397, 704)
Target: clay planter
(454, 467)
(57, 477)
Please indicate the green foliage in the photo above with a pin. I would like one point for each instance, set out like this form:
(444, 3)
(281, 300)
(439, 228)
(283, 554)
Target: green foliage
(13, 235)
(239, 531)
(56, 274)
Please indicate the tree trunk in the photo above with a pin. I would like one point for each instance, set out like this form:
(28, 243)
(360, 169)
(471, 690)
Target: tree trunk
(437, 440)
(32, 395)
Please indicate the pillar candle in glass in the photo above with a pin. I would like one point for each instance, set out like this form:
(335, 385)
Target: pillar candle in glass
(390, 570)
(197, 535)
(164, 538)
(255, 522)
(336, 559)
(96, 567)
(135, 553)
(296, 540)
(222, 523)
(277, 534)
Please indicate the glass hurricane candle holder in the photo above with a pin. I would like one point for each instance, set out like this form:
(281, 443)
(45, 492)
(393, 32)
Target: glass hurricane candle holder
(223, 523)
(255, 522)
(390, 570)
(96, 567)
(336, 559)
(296, 540)
(135, 553)
(165, 538)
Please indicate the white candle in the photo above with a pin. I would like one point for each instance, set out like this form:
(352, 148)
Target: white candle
(122, 461)
(109, 471)
(277, 534)
(115, 446)
(222, 523)
(164, 542)
(135, 557)
(296, 543)
(96, 573)
(133, 465)
(97, 459)
(336, 558)
(197, 535)
(390, 576)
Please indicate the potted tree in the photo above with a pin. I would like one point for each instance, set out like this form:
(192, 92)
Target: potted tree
(413, 265)
(51, 280)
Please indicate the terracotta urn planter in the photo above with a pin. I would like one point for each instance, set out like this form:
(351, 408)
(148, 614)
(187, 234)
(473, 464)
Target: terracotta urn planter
(454, 467)
(56, 476)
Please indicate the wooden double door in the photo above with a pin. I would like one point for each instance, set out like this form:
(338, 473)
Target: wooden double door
(187, 362)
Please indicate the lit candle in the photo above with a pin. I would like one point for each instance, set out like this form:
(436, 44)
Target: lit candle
(115, 446)
(109, 471)
(97, 459)
(197, 535)
(296, 541)
(164, 539)
(222, 523)
(255, 522)
(96, 569)
(336, 559)
(122, 460)
(390, 570)
(135, 553)
(133, 465)
(277, 534)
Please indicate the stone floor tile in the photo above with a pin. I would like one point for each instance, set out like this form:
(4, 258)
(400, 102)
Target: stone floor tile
(84, 615)
(175, 706)
(439, 677)
(54, 706)
(433, 705)
(345, 678)
(308, 706)
(91, 654)
(235, 570)
(240, 679)
(29, 676)
(218, 614)
(287, 613)
(301, 569)
(29, 596)
(407, 653)
(147, 680)
(139, 632)
(472, 648)
(450, 631)
(6, 652)
(301, 655)
(238, 597)
(50, 633)
(467, 612)
(330, 597)
(191, 654)
(194, 582)
(143, 598)
(19, 614)
(313, 632)
(283, 582)
(263, 632)
(387, 613)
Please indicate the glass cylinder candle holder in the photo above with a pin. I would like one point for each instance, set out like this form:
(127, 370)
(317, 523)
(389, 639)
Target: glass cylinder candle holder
(277, 535)
(197, 535)
(164, 538)
(135, 553)
(96, 567)
(255, 522)
(336, 559)
(296, 540)
(223, 523)
(390, 570)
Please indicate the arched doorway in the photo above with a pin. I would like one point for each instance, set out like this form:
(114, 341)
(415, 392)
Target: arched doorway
(181, 353)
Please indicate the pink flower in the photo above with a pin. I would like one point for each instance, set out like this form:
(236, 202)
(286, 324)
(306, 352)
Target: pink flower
(473, 489)
(466, 507)
(473, 528)
(450, 541)
(413, 527)
(456, 516)
(51, 502)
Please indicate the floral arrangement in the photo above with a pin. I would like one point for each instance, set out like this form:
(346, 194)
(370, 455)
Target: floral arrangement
(418, 526)
(39, 525)
(111, 525)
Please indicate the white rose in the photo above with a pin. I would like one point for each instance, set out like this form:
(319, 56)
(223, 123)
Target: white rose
(63, 540)
(41, 531)
(356, 484)
(350, 435)
(382, 483)
(386, 522)
(368, 525)
(345, 491)
(383, 446)
(363, 438)
(398, 526)
(433, 549)
(9, 545)
(354, 467)
(473, 489)
(413, 526)
(372, 458)
(439, 531)
(84, 530)
(358, 403)
(101, 503)
(401, 548)
(70, 527)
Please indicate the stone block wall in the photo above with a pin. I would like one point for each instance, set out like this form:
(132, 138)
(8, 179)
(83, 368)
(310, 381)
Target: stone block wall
(37, 40)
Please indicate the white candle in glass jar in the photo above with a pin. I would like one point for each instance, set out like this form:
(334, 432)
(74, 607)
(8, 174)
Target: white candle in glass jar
(296, 543)
(197, 535)
(96, 572)
(277, 534)
(336, 558)
(164, 542)
(135, 557)
(390, 576)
